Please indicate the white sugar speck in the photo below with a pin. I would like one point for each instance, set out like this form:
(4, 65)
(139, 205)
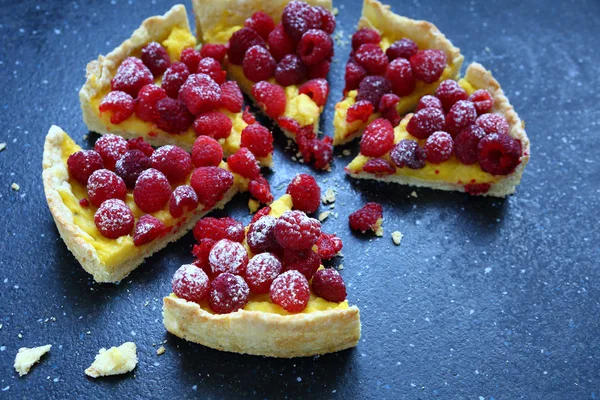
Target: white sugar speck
(488, 270)
(57, 31)
(299, 379)
(195, 387)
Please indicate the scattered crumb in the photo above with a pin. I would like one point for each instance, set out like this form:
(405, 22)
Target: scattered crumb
(335, 11)
(329, 196)
(397, 237)
(27, 357)
(15, 186)
(20, 336)
(161, 350)
(114, 361)
(379, 228)
(2, 146)
(253, 205)
(146, 303)
(346, 152)
(414, 194)
(341, 266)
(323, 216)
(488, 49)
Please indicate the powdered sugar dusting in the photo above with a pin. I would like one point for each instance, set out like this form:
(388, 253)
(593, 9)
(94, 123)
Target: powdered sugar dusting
(228, 256)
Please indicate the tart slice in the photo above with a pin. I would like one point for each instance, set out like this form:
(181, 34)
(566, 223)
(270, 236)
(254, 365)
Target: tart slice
(467, 138)
(157, 86)
(394, 62)
(280, 53)
(263, 290)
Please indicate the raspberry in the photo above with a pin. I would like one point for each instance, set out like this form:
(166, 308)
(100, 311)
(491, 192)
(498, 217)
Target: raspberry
(200, 93)
(465, 144)
(258, 64)
(290, 71)
(328, 246)
(261, 235)
(408, 153)
(131, 165)
(147, 229)
(439, 147)
(131, 75)
(174, 117)
(155, 57)
(449, 92)
(228, 293)
(84, 203)
(182, 199)
(288, 124)
(372, 58)
(258, 140)
(305, 261)
(240, 42)
(146, 103)
(82, 164)
(228, 256)
(361, 110)
(119, 104)
(290, 291)
(214, 124)
(216, 51)
(429, 101)
(218, 229)
(244, 163)
(482, 99)
(364, 36)
(491, 123)
(261, 213)
(173, 161)
(327, 19)
(298, 17)
(270, 97)
(319, 70)
(190, 283)
(261, 270)
(366, 218)
(111, 148)
(206, 152)
(499, 154)
(201, 252)
(475, 189)
(103, 185)
(190, 57)
(139, 144)
(114, 219)
(211, 184)
(320, 151)
(400, 75)
(295, 231)
(152, 191)
(461, 115)
(231, 97)
(428, 65)
(280, 44)
(174, 78)
(316, 89)
(328, 284)
(259, 189)
(248, 117)
(379, 166)
(305, 192)
(354, 76)
(403, 48)
(314, 47)
(372, 88)
(378, 138)
(212, 68)
(261, 23)
(388, 108)
(423, 123)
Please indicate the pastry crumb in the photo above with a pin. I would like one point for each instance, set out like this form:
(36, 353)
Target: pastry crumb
(15, 186)
(26, 358)
(341, 266)
(414, 194)
(161, 350)
(114, 361)
(253, 205)
(378, 227)
(2, 146)
(397, 237)
(329, 196)
(323, 216)
(335, 11)
(346, 152)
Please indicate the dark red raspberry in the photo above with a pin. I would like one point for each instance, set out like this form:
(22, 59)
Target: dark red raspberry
(475, 189)
(173, 161)
(429, 101)
(190, 283)
(372, 88)
(327, 19)
(111, 148)
(152, 191)
(354, 76)
(319, 70)
(174, 116)
(379, 166)
(131, 76)
(146, 103)
(408, 153)
(240, 42)
(258, 140)
(206, 152)
(244, 163)
(314, 47)
(261, 213)
(328, 284)
(174, 78)
(228, 293)
(366, 218)
(305, 261)
(298, 17)
(482, 99)
(190, 57)
(329, 246)
(428, 65)
(260, 189)
(182, 199)
(321, 152)
(439, 147)
(305, 192)
(258, 64)
(426, 121)
(290, 291)
(103, 185)
(290, 71)
(211, 184)
(403, 48)
(261, 22)
(466, 144)
(491, 123)
(228, 256)
(461, 115)
(449, 92)
(212, 68)
(140, 144)
(378, 138)
(316, 89)
(82, 164)
(155, 57)
(200, 93)
(248, 117)
(201, 252)
(147, 229)
(388, 108)
(364, 36)
(214, 124)
(400, 75)
(271, 98)
(119, 104)
(372, 58)
(261, 235)
(219, 228)
(84, 203)
(361, 110)
(131, 165)
(231, 97)
(288, 124)
(280, 44)
(499, 154)
(114, 219)
(261, 270)
(295, 231)
(216, 51)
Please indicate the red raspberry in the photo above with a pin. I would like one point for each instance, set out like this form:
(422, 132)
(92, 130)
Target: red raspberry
(327, 19)
(228, 293)
(403, 48)
(319, 70)
(439, 147)
(152, 191)
(461, 115)
(499, 154)
(428, 65)
(218, 229)
(114, 219)
(298, 17)
(306, 261)
(139, 144)
(388, 108)
(131, 165)
(190, 57)
(314, 47)
(304, 135)
(211, 184)
(155, 57)
(212, 68)
(364, 36)
(200, 93)
(295, 231)
(408, 153)
(190, 283)
(261, 270)
(261, 22)
(361, 110)
(182, 199)
(231, 97)
(290, 291)
(216, 51)
(240, 42)
(174, 116)
(379, 166)
(131, 75)
(84, 203)
(261, 235)
(270, 97)
(288, 124)
(423, 123)
(320, 151)
(449, 92)
(290, 71)
(119, 104)
(354, 76)
(280, 44)
(372, 58)
(429, 101)
(173, 161)
(316, 89)
(400, 75)
(206, 152)
(244, 163)
(228, 256)
(258, 140)
(214, 124)
(258, 64)
(372, 88)
(465, 144)
(147, 229)
(146, 103)
(475, 189)
(82, 164)
(378, 138)
(201, 252)
(329, 246)
(482, 99)
(174, 78)
(111, 148)
(261, 213)
(305, 192)
(366, 218)
(328, 284)
(259, 189)
(103, 185)
(491, 123)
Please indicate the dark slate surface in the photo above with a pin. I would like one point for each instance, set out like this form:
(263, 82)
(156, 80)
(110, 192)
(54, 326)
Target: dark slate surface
(484, 299)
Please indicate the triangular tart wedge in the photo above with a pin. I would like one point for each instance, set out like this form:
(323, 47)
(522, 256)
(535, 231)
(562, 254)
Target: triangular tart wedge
(479, 146)
(372, 72)
(162, 53)
(226, 311)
